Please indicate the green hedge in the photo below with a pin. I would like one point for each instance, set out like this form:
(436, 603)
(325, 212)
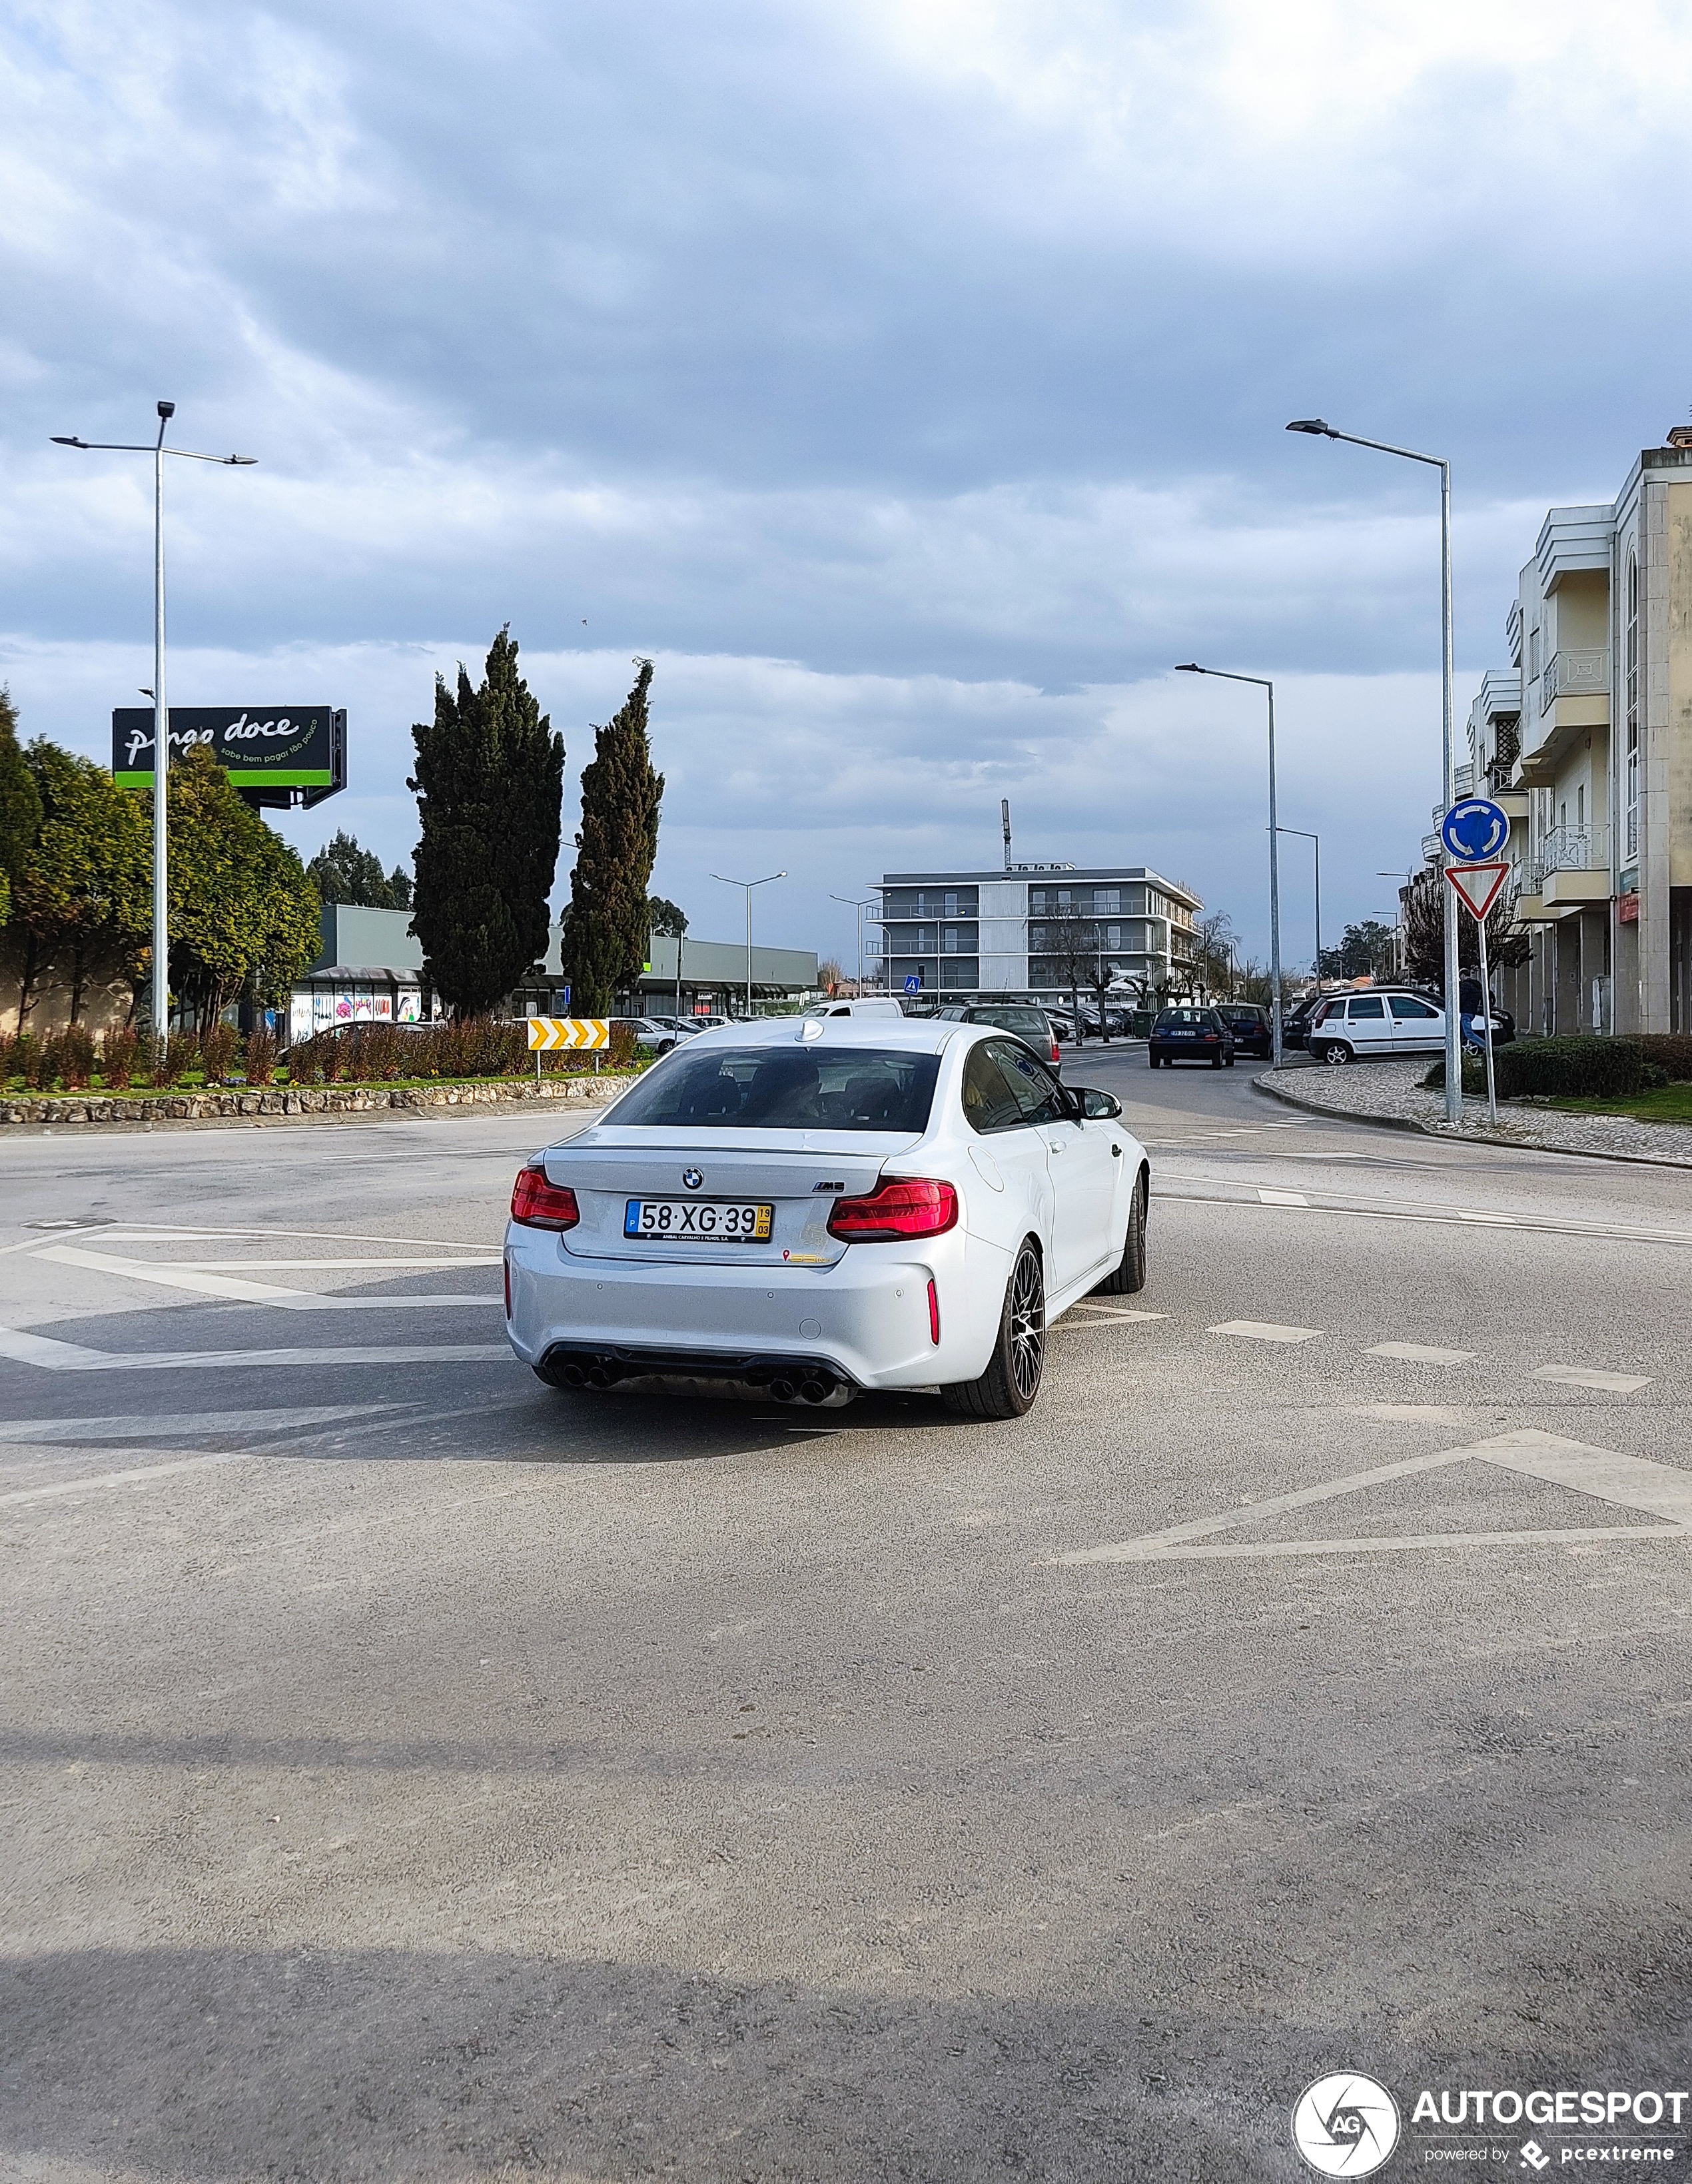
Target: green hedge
(1581, 1068)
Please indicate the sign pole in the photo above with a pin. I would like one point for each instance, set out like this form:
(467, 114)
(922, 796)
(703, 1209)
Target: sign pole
(161, 753)
(1486, 1018)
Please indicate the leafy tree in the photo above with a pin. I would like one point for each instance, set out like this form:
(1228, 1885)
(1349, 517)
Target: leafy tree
(607, 924)
(490, 791)
(243, 914)
(20, 807)
(666, 919)
(341, 872)
(1364, 951)
(1069, 943)
(83, 901)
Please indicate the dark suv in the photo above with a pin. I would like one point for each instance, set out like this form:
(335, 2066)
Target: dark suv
(1250, 1025)
(1191, 1034)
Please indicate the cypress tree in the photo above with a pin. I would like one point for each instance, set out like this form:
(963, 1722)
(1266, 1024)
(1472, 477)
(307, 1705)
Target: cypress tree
(490, 792)
(606, 927)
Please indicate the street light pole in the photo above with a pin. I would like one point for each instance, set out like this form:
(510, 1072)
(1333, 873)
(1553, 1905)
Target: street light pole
(161, 711)
(1305, 834)
(1319, 429)
(1262, 682)
(853, 903)
(749, 885)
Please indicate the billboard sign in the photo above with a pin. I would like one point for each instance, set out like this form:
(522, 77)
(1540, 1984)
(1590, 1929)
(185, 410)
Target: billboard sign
(260, 747)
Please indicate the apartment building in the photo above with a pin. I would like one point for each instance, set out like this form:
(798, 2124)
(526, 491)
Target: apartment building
(1586, 740)
(972, 935)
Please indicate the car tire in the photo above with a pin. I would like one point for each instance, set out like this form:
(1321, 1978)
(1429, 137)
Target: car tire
(1334, 1054)
(1228, 1061)
(1011, 1381)
(1127, 1277)
(1153, 1060)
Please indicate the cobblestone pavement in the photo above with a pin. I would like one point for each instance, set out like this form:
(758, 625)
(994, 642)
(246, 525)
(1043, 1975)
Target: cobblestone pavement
(1380, 1091)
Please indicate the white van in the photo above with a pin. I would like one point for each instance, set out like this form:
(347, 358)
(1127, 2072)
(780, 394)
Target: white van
(871, 1005)
(1359, 1027)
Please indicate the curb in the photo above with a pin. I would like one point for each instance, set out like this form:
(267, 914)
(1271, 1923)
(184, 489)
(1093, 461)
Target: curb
(305, 1105)
(1447, 1138)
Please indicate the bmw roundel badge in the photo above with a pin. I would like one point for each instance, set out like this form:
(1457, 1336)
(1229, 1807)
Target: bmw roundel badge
(693, 1177)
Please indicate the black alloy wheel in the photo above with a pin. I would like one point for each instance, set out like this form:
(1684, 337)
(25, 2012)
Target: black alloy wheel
(1007, 1388)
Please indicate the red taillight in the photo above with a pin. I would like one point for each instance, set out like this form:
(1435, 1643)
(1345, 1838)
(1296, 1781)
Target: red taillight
(903, 1206)
(538, 1204)
(1056, 1057)
(933, 1311)
(1209, 1038)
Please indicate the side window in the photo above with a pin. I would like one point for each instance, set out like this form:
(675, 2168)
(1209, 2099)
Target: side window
(1367, 1008)
(1406, 1004)
(989, 1103)
(1038, 1092)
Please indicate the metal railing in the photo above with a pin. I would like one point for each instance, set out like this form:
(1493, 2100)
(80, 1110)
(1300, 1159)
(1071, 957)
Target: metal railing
(1575, 671)
(1570, 849)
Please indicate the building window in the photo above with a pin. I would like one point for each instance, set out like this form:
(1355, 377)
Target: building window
(1630, 782)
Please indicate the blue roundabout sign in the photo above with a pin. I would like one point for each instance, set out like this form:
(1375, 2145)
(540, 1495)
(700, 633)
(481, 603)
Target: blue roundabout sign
(1474, 829)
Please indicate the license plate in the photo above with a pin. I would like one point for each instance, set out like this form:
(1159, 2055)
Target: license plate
(688, 1220)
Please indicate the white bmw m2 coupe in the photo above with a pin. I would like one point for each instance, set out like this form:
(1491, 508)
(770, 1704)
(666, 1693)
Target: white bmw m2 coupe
(816, 1206)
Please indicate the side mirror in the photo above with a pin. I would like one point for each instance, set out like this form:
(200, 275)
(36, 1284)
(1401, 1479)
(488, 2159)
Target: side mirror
(1098, 1106)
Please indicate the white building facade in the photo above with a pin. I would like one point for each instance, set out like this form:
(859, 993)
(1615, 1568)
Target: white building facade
(1586, 740)
(966, 936)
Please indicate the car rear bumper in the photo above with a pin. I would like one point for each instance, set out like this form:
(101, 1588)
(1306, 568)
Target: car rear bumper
(865, 1318)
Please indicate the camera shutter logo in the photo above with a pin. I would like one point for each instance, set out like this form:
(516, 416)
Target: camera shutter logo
(1345, 2124)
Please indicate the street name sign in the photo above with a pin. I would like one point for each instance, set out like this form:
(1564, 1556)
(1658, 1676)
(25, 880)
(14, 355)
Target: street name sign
(1474, 829)
(1476, 886)
(554, 1034)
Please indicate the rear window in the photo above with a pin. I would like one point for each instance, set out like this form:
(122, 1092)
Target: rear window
(784, 1087)
(1201, 1016)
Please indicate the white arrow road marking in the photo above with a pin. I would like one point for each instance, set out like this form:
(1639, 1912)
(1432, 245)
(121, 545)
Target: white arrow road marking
(1587, 1376)
(231, 1287)
(53, 1356)
(174, 1426)
(140, 1475)
(1630, 1482)
(1280, 1197)
(1417, 1353)
(1264, 1331)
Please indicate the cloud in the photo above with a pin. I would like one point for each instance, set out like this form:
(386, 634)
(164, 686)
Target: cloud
(909, 380)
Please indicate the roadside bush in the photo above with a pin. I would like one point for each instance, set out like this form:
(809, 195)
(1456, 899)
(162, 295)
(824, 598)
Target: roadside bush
(68, 1057)
(120, 1057)
(1668, 1051)
(260, 1059)
(180, 1052)
(29, 1060)
(622, 1045)
(219, 1045)
(7, 1066)
(1577, 1068)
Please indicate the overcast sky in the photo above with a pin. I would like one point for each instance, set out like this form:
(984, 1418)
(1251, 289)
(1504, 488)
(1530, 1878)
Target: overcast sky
(908, 380)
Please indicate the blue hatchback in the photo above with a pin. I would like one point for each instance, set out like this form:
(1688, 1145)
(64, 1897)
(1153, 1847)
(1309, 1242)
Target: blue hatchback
(1191, 1034)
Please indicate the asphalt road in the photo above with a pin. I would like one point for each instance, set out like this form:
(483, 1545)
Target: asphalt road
(411, 1771)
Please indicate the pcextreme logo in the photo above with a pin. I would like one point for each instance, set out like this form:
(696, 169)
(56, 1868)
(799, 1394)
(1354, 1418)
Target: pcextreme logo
(1345, 2124)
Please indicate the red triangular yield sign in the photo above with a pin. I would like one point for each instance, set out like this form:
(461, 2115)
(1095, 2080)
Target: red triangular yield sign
(1477, 885)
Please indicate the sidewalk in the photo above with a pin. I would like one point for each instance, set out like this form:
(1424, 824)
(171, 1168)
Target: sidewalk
(1391, 1093)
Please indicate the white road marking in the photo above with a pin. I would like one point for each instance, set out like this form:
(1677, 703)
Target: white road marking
(230, 1289)
(1412, 1414)
(1113, 1311)
(53, 1356)
(1583, 1376)
(174, 1426)
(303, 1266)
(1263, 1330)
(1418, 1353)
(1492, 1220)
(140, 1475)
(1631, 1482)
(1280, 1197)
(1192, 1190)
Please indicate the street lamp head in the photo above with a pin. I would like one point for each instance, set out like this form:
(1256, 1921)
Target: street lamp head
(67, 440)
(167, 408)
(1190, 667)
(1319, 425)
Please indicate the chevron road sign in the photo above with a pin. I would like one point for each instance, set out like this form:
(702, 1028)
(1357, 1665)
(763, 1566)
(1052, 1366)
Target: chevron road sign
(551, 1034)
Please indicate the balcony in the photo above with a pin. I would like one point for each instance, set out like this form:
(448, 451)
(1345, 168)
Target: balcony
(1572, 867)
(1575, 671)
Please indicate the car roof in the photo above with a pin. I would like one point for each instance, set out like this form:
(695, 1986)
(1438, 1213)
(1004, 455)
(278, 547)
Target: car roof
(893, 1035)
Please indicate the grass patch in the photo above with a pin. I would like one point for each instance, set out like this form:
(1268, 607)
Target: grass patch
(1664, 1103)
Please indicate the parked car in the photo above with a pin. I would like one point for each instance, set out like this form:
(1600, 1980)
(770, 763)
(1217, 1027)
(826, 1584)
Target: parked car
(1022, 1017)
(815, 1207)
(1252, 1033)
(1364, 1027)
(1191, 1034)
(871, 1004)
(1296, 1023)
(652, 1033)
